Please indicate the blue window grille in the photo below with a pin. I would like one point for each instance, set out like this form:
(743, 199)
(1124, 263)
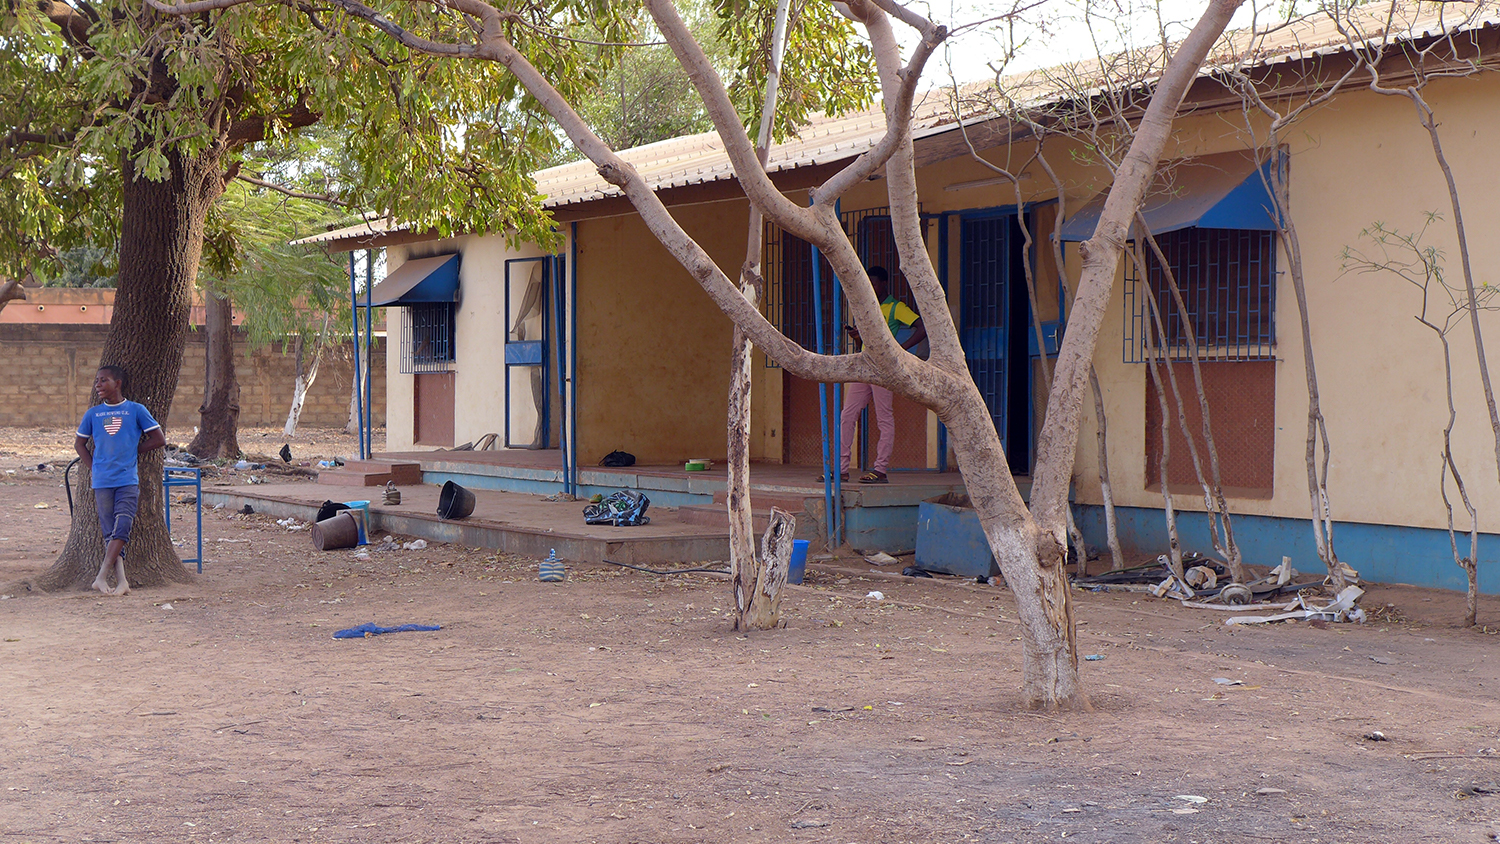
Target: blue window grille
(1227, 278)
(988, 254)
(427, 331)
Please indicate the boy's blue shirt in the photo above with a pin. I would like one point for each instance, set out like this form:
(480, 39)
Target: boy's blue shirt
(116, 430)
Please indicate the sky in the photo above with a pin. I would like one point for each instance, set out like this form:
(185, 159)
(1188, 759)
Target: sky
(1054, 32)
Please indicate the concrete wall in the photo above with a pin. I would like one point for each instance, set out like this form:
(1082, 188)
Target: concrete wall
(49, 372)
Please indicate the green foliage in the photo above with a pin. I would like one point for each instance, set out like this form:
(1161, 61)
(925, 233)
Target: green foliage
(281, 291)
(110, 91)
(81, 266)
(441, 142)
(827, 68)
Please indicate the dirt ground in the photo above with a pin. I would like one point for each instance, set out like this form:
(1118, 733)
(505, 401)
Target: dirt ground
(619, 707)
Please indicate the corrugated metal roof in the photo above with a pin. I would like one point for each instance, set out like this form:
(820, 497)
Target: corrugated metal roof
(699, 159)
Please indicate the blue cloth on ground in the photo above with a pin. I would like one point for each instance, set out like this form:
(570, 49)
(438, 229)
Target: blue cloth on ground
(116, 430)
(365, 630)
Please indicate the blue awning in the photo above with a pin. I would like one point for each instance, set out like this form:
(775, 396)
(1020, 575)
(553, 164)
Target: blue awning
(1223, 191)
(417, 281)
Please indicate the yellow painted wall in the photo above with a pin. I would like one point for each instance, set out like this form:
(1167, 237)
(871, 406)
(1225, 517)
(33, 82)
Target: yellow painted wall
(653, 357)
(1361, 159)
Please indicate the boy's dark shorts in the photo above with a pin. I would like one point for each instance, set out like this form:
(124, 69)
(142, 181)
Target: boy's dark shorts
(116, 507)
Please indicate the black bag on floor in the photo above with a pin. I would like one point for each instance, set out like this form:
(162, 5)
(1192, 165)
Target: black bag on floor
(617, 459)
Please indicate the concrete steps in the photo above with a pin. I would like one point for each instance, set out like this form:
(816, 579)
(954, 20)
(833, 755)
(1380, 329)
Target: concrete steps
(372, 473)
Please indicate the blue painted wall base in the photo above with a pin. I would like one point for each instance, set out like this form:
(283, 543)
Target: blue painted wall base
(1380, 553)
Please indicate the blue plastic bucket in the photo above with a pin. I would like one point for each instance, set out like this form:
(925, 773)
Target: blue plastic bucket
(797, 568)
(362, 517)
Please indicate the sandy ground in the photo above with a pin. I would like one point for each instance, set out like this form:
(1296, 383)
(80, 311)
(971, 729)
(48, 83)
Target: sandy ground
(620, 707)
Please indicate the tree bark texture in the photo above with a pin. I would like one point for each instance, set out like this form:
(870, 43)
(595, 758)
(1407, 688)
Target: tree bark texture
(161, 240)
(11, 289)
(219, 415)
(752, 607)
(763, 604)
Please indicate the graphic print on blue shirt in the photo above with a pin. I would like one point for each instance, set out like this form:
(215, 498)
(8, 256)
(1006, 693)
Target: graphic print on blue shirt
(116, 430)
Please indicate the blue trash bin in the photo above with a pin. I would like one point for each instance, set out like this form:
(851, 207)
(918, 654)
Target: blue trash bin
(797, 568)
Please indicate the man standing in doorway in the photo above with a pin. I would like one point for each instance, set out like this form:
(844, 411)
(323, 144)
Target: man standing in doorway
(906, 326)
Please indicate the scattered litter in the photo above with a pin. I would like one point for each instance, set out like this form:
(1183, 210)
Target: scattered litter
(1375, 735)
(391, 496)
(876, 595)
(414, 545)
(880, 558)
(913, 571)
(40, 506)
(365, 631)
(1267, 792)
(388, 539)
(1341, 609)
(1094, 657)
(1225, 681)
(1380, 659)
(1236, 593)
(1201, 577)
(166, 606)
(621, 509)
(291, 523)
(362, 556)
(325, 464)
(247, 510)
(809, 824)
(1192, 798)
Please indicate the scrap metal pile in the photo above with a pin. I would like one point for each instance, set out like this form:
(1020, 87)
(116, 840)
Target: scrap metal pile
(1204, 583)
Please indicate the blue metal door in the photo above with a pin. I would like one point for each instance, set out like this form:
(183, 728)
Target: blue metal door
(993, 320)
(983, 312)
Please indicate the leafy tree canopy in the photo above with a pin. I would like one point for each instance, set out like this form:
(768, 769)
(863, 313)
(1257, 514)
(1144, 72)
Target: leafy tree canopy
(99, 89)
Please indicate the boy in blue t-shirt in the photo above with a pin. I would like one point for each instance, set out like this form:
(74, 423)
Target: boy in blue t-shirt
(121, 431)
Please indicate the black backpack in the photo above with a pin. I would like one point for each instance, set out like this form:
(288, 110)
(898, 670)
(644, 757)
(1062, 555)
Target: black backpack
(617, 459)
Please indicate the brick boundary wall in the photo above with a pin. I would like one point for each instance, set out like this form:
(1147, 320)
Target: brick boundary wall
(48, 371)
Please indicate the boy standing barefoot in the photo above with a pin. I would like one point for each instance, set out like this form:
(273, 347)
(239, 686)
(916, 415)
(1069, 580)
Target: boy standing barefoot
(120, 430)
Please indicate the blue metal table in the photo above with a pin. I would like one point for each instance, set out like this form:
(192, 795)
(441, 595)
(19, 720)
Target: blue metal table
(185, 476)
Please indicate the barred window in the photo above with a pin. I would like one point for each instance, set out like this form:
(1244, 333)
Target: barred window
(427, 331)
(1227, 278)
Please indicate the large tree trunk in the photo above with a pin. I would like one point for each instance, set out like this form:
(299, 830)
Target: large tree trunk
(1032, 560)
(219, 415)
(161, 240)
